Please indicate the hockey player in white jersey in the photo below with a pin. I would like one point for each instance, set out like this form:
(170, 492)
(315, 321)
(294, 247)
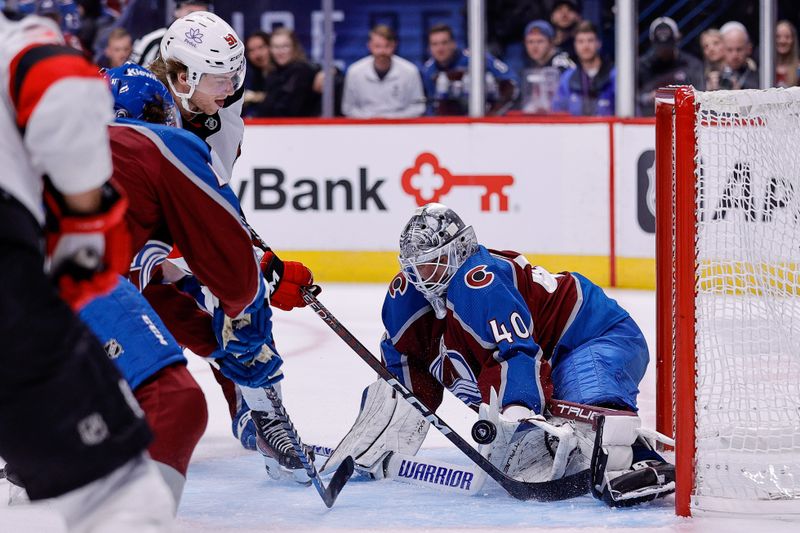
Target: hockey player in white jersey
(201, 61)
(69, 426)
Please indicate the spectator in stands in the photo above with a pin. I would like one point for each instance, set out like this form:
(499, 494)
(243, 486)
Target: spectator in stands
(664, 64)
(541, 50)
(544, 64)
(383, 84)
(446, 80)
(713, 55)
(118, 49)
(589, 88)
(565, 17)
(145, 49)
(259, 65)
(738, 70)
(289, 87)
(787, 60)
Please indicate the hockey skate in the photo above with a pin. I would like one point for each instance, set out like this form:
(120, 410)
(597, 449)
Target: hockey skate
(646, 481)
(648, 477)
(243, 427)
(280, 459)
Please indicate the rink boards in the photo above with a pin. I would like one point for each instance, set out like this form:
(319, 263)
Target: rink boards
(573, 194)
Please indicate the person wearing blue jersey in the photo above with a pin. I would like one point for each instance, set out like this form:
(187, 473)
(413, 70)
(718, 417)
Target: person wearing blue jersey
(178, 203)
(589, 88)
(506, 337)
(445, 77)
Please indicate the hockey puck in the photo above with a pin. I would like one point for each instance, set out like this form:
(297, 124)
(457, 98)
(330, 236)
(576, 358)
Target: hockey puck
(484, 432)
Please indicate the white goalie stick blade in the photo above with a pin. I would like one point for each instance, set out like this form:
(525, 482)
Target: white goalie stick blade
(425, 472)
(434, 474)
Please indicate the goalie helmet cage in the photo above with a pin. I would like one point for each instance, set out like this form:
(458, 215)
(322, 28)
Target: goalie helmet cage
(728, 297)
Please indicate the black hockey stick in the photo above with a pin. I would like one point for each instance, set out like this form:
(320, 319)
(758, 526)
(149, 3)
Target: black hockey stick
(558, 489)
(342, 474)
(345, 470)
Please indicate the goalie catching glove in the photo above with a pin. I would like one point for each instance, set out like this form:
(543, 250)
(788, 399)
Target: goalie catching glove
(87, 252)
(385, 424)
(285, 279)
(625, 468)
(528, 447)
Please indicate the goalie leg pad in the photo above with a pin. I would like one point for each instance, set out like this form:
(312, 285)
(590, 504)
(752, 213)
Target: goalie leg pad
(616, 481)
(386, 423)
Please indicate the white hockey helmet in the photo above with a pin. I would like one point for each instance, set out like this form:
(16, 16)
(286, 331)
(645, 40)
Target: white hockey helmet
(433, 246)
(208, 47)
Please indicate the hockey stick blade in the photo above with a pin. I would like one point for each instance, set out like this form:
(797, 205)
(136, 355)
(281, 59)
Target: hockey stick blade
(558, 489)
(342, 474)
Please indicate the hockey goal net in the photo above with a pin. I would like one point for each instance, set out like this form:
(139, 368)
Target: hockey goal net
(728, 297)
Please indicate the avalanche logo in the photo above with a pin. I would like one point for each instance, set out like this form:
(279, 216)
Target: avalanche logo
(452, 370)
(398, 285)
(478, 277)
(193, 37)
(427, 181)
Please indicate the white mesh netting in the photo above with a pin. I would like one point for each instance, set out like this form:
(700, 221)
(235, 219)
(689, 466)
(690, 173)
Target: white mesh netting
(748, 298)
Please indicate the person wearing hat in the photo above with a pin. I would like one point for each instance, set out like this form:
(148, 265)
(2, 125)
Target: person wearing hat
(565, 17)
(665, 64)
(540, 47)
(544, 64)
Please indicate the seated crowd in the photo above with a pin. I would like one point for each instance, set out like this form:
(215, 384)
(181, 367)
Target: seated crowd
(564, 67)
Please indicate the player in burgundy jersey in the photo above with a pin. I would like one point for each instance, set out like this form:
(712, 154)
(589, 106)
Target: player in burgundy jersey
(505, 337)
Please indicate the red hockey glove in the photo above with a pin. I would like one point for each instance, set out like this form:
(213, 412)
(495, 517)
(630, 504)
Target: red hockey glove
(86, 253)
(285, 278)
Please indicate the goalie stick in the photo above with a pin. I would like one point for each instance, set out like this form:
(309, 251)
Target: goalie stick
(560, 489)
(424, 472)
(553, 490)
(340, 476)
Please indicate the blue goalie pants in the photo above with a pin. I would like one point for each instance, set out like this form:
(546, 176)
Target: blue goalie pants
(605, 371)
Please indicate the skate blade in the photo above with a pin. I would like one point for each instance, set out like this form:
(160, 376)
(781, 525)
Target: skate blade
(279, 473)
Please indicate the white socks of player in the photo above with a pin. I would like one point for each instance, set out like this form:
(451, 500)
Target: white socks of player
(131, 499)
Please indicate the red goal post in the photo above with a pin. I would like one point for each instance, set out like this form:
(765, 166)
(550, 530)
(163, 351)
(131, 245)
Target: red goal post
(728, 297)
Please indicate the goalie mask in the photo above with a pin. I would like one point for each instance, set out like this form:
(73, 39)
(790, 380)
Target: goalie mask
(433, 245)
(211, 51)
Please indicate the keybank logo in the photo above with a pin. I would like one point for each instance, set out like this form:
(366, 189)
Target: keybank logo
(270, 191)
(428, 181)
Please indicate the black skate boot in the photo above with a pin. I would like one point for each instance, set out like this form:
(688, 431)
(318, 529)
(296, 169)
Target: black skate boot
(645, 481)
(280, 459)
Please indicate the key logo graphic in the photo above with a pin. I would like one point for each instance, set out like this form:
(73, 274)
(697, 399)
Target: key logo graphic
(428, 181)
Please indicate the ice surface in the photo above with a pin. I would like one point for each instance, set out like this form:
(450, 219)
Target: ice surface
(228, 490)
